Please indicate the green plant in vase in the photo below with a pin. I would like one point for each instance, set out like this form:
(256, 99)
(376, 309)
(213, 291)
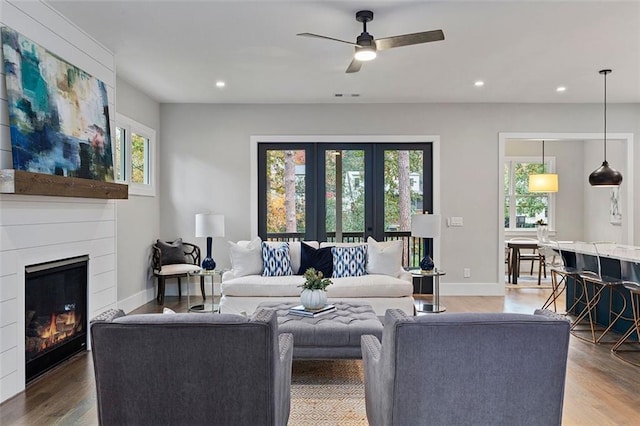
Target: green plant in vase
(314, 293)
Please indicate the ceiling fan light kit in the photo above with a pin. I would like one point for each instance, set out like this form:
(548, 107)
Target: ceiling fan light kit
(366, 46)
(605, 175)
(365, 54)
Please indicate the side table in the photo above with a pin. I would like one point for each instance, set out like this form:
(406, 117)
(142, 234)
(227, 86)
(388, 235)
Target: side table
(202, 275)
(435, 307)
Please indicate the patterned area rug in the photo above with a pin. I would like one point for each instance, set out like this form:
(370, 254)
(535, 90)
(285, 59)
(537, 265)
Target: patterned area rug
(327, 393)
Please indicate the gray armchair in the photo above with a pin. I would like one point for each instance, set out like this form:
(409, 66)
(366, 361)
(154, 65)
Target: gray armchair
(170, 369)
(466, 369)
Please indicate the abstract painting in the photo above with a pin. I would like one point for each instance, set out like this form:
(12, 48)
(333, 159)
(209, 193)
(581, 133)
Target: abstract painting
(58, 113)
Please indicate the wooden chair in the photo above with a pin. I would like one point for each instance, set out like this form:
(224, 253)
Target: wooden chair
(534, 256)
(162, 272)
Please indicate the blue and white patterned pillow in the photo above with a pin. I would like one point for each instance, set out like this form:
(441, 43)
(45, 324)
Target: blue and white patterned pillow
(276, 260)
(349, 261)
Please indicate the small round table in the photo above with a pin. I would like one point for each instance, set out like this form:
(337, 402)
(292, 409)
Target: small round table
(194, 306)
(435, 307)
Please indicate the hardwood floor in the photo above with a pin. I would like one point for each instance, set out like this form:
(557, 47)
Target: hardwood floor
(600, 389)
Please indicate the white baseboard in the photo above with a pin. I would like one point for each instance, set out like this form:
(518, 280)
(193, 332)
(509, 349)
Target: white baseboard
(146, 296)
(137, 300)
(472, 289)
(171, 289)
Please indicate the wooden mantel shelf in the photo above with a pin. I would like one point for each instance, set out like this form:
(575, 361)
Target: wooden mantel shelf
(27, 183)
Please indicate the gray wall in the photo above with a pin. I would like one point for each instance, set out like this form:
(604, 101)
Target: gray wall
(205, 161)
(139, 216)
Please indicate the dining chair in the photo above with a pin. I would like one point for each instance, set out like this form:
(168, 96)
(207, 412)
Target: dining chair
(533, 256)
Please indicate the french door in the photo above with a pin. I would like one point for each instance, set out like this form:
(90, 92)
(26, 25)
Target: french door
(342, 192)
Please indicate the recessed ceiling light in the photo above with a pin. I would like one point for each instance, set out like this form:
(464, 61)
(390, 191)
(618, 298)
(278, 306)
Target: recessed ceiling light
(220, 83)
(479, 83)
(561, 89)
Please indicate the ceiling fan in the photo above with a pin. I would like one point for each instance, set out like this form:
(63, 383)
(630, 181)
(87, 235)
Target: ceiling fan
(366, 46)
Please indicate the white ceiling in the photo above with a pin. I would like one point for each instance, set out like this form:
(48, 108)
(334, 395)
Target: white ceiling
(176, 50)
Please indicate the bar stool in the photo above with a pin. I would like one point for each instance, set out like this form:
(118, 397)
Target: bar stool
(634, 290)
(631, 274)
(556, 264)
(594, 285)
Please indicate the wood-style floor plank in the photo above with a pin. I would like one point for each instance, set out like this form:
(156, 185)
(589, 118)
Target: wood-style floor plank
(600, 389)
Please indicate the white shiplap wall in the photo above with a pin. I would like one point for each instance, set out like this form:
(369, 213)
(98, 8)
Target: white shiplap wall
(35, 229)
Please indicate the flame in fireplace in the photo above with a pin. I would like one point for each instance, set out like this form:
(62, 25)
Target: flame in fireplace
(60, 327)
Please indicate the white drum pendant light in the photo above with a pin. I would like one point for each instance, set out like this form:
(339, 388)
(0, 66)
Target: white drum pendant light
(543, 182)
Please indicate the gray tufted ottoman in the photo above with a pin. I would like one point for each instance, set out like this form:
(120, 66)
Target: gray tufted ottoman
(333, 335)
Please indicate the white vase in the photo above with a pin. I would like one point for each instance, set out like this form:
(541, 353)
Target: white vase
(543, 233)
(313, 299)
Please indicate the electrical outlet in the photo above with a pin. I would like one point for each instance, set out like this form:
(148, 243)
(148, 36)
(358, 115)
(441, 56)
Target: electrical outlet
(455, 221)
(467, 272)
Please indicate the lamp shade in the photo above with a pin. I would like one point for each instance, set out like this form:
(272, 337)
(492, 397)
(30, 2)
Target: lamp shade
(425, 225)
(544, 182)
(605, 176)
(209, 225)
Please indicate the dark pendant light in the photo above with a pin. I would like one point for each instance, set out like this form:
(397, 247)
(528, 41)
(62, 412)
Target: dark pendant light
(605, 175)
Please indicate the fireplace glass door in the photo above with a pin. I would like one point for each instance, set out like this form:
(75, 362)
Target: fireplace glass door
(55, 313)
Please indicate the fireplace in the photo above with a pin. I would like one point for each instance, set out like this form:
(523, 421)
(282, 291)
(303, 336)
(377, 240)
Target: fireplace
(55, 313)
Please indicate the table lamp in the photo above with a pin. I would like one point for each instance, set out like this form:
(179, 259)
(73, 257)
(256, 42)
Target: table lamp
(425, 226)
(209, 225)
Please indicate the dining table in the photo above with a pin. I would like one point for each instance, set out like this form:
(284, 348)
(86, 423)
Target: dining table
(515, 246)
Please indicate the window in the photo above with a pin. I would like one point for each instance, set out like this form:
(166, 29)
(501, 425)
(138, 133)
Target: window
(523, 209)
(135, 156)
(344, 192)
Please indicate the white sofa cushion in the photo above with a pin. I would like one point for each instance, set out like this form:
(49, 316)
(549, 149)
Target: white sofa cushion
(257, 285)
(363, 286)
(369, 286)
(383, 257)
(246, 257)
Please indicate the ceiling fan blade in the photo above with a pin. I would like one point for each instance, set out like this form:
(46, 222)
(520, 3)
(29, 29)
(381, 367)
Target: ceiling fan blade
(326, 38)
(354, 66)
(409, 39)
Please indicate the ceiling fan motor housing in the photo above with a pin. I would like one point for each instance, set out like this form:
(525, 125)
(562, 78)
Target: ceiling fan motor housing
(365, 40)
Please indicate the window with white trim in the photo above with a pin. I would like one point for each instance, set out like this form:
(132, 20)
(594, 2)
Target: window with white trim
(134, 160)
(523, 210)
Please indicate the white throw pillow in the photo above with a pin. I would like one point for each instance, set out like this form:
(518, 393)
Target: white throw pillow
(246, 259)
(384, 258)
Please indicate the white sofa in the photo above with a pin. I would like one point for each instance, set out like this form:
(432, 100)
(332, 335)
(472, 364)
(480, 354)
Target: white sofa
(244, 287)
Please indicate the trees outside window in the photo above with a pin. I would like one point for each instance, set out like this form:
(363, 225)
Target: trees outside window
(350, 191)
(524, 209)
(135, 156)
